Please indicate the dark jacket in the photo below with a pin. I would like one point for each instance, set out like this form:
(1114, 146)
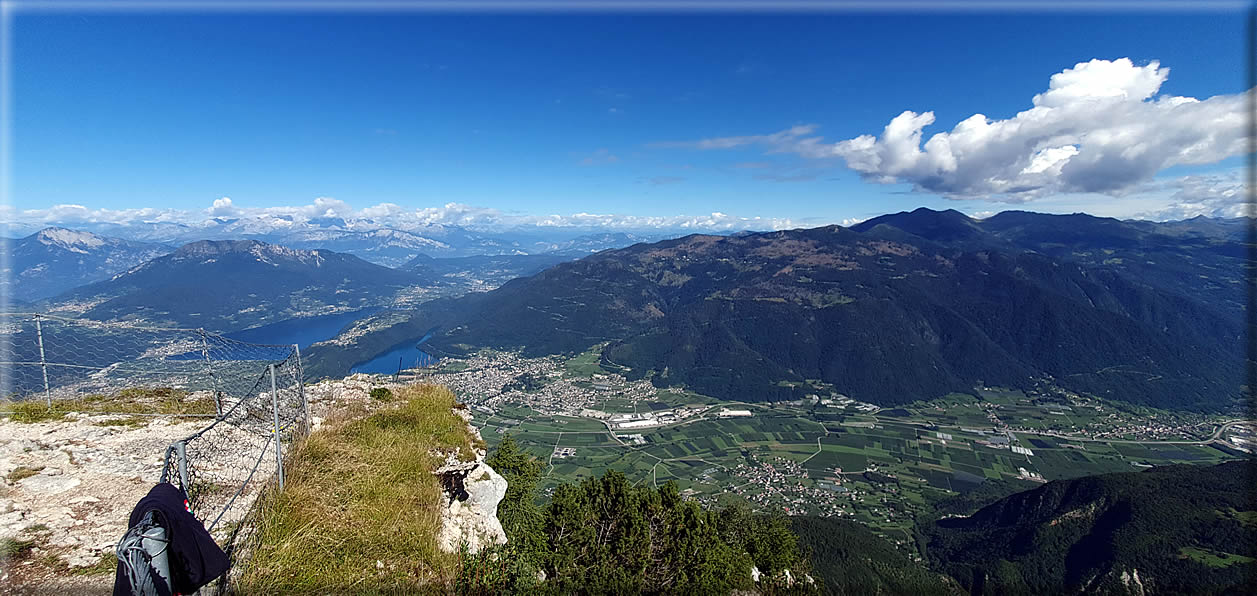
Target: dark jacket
(195, 559)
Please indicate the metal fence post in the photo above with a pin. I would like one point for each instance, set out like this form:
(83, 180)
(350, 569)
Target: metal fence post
(181, 451)
(209, 370)
(165, 470)
(43, 362)
(301, 390)
(279, 454)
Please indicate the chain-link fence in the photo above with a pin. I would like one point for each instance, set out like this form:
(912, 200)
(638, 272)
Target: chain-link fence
(258, 397)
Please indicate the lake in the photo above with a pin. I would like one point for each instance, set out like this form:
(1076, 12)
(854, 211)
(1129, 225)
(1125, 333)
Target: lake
(303, 331)
(281, 335)
(408, 355)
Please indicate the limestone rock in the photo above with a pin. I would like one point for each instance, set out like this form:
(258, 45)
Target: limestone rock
(49, 485)
(469, 512)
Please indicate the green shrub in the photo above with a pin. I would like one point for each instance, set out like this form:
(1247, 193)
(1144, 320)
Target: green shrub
(382, 394)
(607, 536)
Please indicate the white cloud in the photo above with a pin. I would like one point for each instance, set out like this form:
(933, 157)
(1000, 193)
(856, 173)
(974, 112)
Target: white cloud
(383, 215)
(222, 207)
(329, 207)
(71, 214)
(1213, 195)
(785, 140)
(1099, 128)
(383, 210)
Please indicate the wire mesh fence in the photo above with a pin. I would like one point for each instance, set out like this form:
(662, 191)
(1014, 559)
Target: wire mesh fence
(259, 406)
(224, 467)
(56, 358)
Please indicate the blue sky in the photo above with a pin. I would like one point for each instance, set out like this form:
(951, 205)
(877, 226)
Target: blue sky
(564, 114)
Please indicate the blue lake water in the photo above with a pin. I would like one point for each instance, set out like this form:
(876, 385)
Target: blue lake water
(282, 335)
(303, 331)
(407, 356)
(306, 331)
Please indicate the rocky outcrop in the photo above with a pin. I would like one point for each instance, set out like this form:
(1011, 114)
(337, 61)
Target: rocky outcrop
(68, 486)
(472, 491)
(469, 510)
(329, 395)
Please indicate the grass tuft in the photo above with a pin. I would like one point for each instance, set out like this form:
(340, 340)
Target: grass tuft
(21, 472)
(360, 509)
(12, 549)
(106, 565)
(138, 400)
(29, 412)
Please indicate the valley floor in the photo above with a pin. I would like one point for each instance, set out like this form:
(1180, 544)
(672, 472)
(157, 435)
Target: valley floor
(830, 456)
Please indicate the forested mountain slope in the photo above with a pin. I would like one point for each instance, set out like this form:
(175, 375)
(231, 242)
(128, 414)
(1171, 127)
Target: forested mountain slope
(884, 315)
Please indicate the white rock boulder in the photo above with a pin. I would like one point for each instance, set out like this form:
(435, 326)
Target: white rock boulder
(469, 512)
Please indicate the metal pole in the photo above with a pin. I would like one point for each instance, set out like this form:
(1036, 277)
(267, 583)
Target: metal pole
(279, 454)
(43, 362)
(181, 452)
(301, 389)
(209, 369)
(165, 470)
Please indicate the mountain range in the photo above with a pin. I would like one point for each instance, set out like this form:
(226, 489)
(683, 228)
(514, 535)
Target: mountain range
(903, 307)
(54, 260)
(225, 285)
(380, 243)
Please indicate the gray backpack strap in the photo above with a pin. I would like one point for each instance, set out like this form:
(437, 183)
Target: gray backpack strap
(143, 554)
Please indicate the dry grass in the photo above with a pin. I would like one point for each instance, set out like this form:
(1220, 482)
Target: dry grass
(106, 565)
(359, 513)
(130, 421)
(159, 400)
(21, 472)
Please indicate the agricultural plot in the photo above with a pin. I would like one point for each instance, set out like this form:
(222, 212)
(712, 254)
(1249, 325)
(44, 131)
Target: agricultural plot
(586, 365)
(878, 467)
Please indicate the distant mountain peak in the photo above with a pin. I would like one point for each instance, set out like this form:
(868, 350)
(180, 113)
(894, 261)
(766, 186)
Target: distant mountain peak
(70, 240)
(55, 259)
(262, 251)
(945, 226)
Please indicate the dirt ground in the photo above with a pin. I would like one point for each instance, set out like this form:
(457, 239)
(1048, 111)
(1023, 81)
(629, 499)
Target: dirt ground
(68, 487)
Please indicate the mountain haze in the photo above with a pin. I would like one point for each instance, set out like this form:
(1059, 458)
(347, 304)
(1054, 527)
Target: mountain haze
(232, 284)
(54, 260)
(882, 313)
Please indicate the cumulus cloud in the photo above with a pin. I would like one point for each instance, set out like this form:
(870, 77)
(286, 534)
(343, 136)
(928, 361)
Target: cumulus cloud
(222, 207)
(1212, 195)
(1100, 127)
(484, 218)
(329, 207)
(78, 214)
